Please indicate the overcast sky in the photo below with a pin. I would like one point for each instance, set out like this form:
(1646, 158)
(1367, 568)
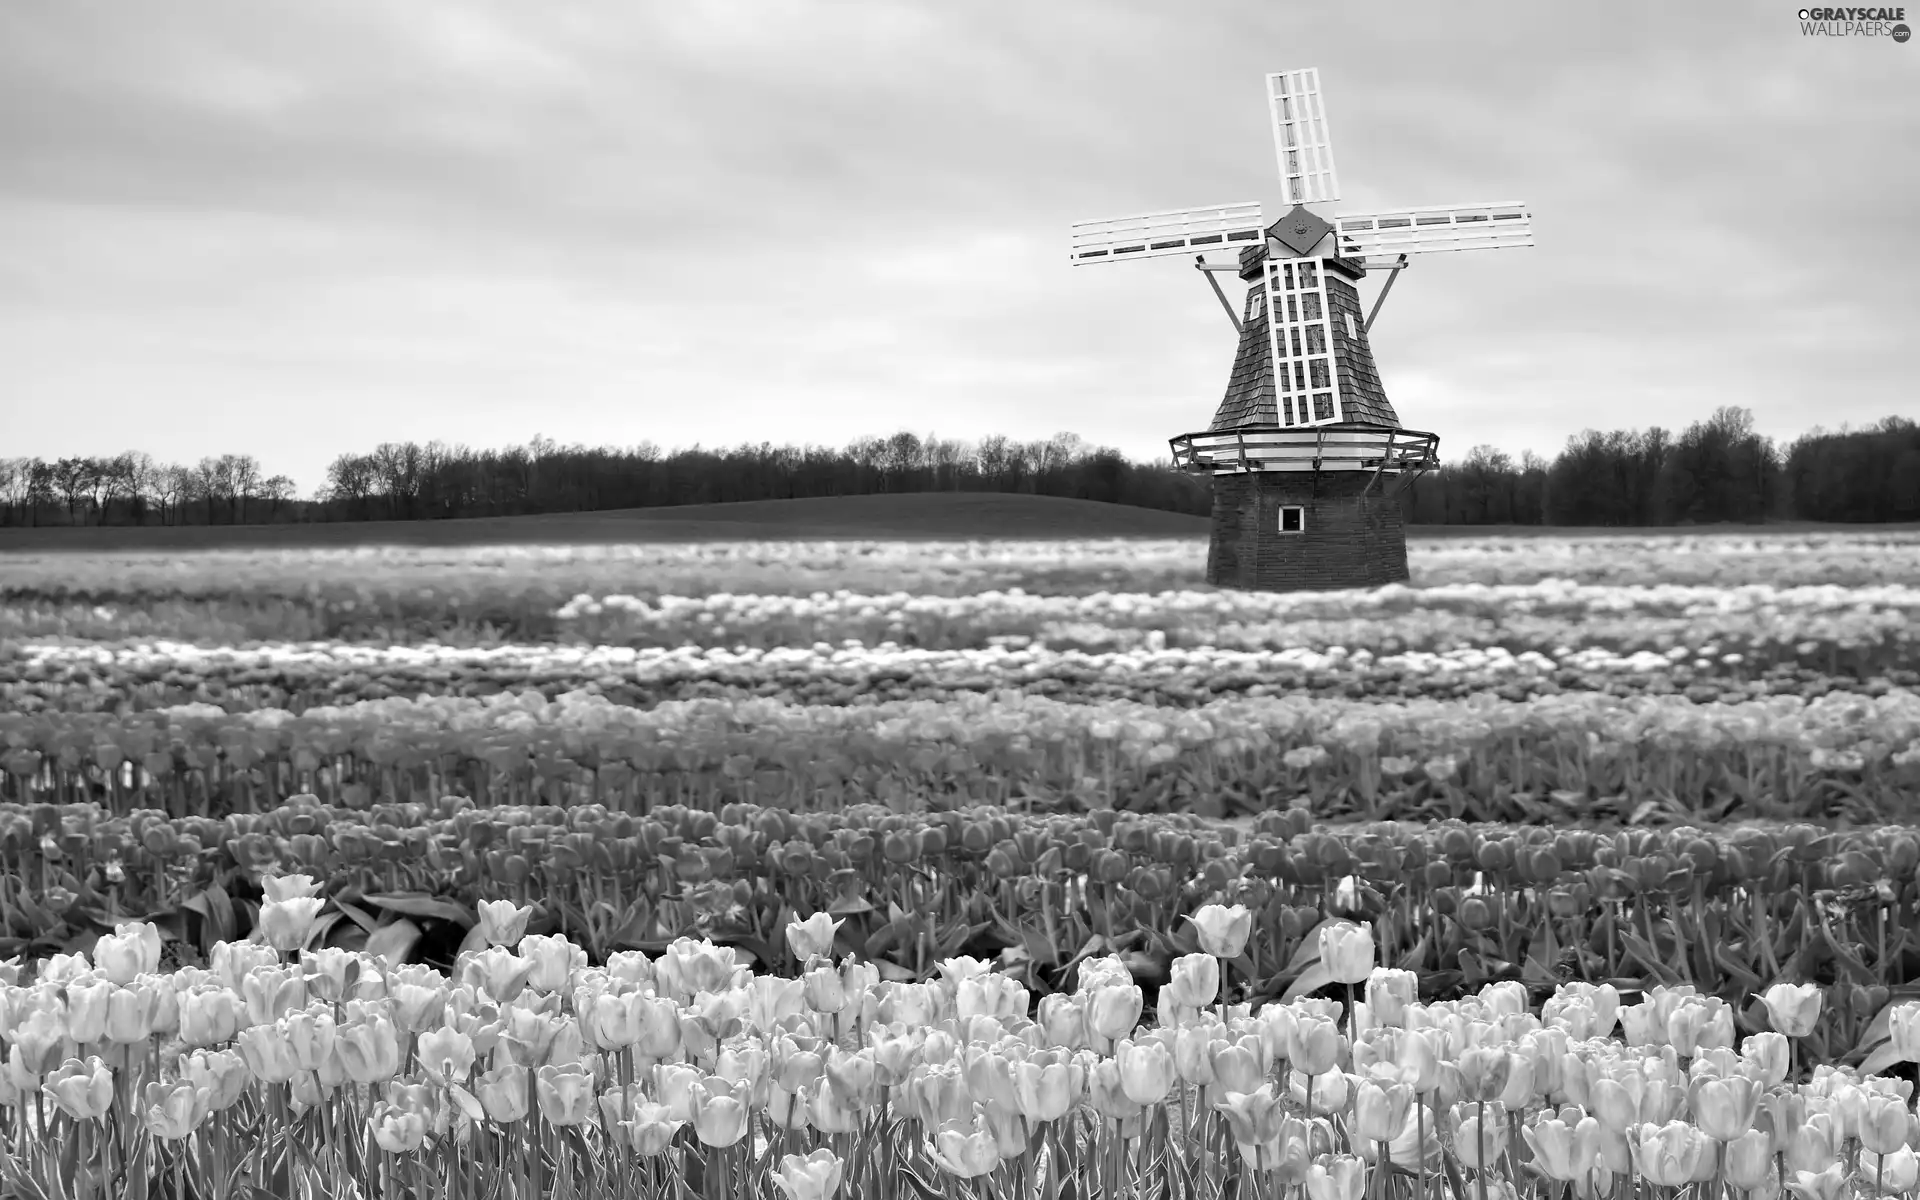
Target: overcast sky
(299, 229)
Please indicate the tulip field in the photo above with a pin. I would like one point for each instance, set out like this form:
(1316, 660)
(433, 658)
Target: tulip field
(1580, 868)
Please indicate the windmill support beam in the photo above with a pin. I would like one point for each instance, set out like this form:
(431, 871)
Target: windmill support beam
(1384, 460)
(1200, 263)
(1384, 289)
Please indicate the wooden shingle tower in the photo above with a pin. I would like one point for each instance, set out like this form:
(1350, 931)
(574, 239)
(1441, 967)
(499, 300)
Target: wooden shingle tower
(1306, 453)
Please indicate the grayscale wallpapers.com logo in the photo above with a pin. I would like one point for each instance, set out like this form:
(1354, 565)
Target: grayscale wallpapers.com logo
(1855, 22)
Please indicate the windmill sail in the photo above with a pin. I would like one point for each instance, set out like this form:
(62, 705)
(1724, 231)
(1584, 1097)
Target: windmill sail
(1430, 230)
(1301, 138)
(1151, 235)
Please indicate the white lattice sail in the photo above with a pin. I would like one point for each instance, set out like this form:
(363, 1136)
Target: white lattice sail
(1306, 382)
(1430, 230)
(1185, 231)
(1301, 138)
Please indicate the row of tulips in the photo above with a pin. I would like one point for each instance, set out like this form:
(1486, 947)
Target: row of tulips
(1463, 905)
(1783, 756)
(529, 1069)
(400, 583)
(65, 677)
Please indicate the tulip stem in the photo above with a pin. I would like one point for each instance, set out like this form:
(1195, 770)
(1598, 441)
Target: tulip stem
(1420, 1146)
(1480, 1147)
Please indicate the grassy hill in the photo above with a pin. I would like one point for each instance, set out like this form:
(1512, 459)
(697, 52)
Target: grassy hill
(908, 517)
(939, 515)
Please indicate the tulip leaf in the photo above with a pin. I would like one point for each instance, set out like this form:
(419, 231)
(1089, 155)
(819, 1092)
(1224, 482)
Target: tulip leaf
(359, 916)
(1308, 951)
(1311, 980)
(1643, 953)
(217, 910)
(393, 942)
(420, 904)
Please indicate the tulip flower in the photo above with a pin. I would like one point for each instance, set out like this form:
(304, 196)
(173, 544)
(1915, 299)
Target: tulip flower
(689, 967)
(396, 1130)
(1724, 1108)
(1107, 1093)
(854, 1077)
(369, 1050)
(1114, 1011)
(651, 1128)
(1223, 930)
(446, 1055)
(967, 1150)
(1484, 1072)
(87, 1010)
(1903, 1029)
(1505, 998)
(1883, 1125)
(1047, 1090)
(83, 1090)
(1749, 1160)
(995, 995)
(287, 924)
(1893, 1173)
(496, 971)
(419, 1002)
(222, 1074)
(1195, 981)
(718, 1121)
(133, 1012)
(1812, 1146)
(131, 950)
(1793, 1009)
(1146, 1071)
(1347, 951)
(1337, 1177)
(174, 1110)
(502, 1093)
(829, 1112)
(1314, 1047)
(813, 937)
(1063, 1019)
(1389, 994)
(503, 923)
(1479, 1134)
(1829, 1184)
(815, 1177)
(1380, 1111)
(565, 1093)
(209, 1015)
(1253, 1117)
(1235, 1068)
(232, 962)
(268, 1054)
(1769, 1053)
(1671, 1155)
(1562, 1151)
(554, 960)
(310, 1034)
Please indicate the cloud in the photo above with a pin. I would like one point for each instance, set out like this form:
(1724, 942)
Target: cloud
(302, 230)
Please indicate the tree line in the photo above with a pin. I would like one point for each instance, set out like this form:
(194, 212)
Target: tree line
(1716, 470)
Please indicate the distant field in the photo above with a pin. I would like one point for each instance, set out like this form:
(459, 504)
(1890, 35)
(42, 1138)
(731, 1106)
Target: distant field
(867, 518)
(938, 515)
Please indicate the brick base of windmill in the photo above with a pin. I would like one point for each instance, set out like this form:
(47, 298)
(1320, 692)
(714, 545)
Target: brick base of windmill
(1300, 507)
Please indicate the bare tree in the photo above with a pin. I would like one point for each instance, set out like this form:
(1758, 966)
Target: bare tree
(74, 478)
(276, 490)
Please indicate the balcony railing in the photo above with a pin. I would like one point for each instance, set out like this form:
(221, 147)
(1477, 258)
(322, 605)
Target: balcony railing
(1317, 448)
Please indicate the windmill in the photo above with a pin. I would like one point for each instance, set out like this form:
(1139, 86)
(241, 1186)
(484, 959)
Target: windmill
(1306, 454)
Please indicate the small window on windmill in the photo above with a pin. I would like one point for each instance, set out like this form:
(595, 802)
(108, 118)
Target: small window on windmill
(1256, 304)
(1293, 518)
(1353, 327)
